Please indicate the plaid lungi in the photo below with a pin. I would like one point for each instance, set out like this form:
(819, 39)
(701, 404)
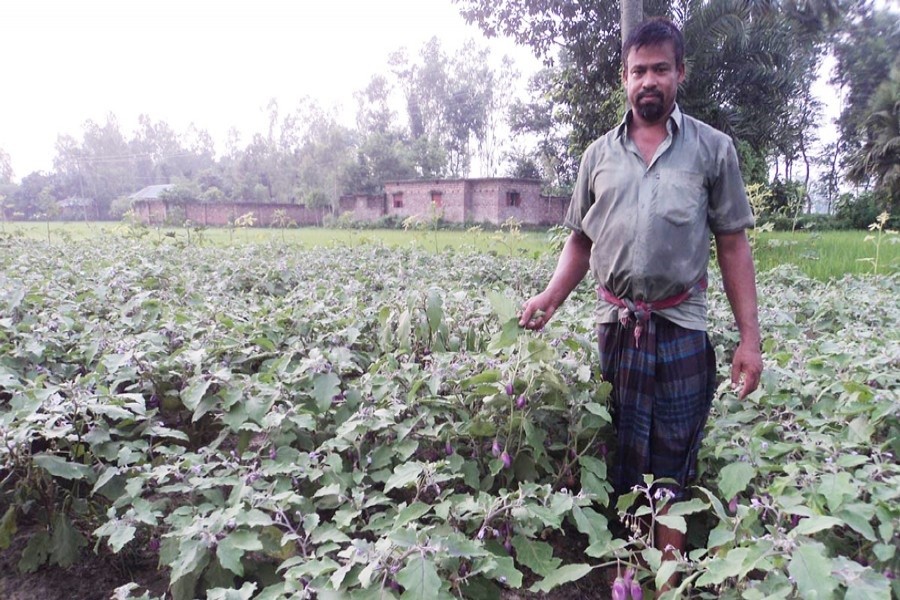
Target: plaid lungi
(662, 392)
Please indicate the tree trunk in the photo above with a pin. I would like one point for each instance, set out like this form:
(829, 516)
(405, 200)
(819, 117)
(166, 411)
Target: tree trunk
(631, 17)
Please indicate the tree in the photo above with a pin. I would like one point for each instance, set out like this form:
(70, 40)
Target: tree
(746, 61)
(324, 156)
(535, 125)
(384, 152)
(866, 45)
(100, 167)
(425, 87)
(6, 170)
(499, 98)
(580, 44)
(879, 156)
(454, 106)
(27, 200)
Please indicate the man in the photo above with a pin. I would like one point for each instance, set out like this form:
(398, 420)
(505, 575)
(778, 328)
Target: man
(647, 196)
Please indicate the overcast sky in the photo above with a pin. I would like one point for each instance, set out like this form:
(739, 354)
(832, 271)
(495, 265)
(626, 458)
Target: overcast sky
(215, 64)
(212, 63)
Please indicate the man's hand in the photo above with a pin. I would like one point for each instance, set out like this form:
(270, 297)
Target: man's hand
(736, 262)
(746, 368)
(537, 311)
(571, 268)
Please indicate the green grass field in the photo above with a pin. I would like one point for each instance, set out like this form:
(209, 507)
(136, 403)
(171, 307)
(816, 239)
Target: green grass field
(821, 255)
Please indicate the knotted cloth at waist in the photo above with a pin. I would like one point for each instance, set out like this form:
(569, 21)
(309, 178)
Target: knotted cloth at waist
(641, 310)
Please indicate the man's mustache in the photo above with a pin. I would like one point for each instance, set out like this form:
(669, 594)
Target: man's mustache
(654, 94)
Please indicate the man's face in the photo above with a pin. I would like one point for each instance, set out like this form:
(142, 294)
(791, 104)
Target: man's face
(651, 81)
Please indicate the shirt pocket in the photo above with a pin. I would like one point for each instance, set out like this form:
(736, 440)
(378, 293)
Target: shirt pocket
(682, 196)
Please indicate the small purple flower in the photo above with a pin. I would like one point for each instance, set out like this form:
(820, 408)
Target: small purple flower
(733, 505)
(508, 545)
(154, 545)
(510, 390)
(153, 402)
(448, 448)
(795, 520)
(273, 453)
(629, 575)
(636, 592)
(496, 449)
(889, 574)
(619, 591)
(507, 460)
(520, 401)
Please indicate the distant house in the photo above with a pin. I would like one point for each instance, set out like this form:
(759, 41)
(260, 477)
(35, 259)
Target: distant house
(485, 200)
(151, 192)
(76, 207)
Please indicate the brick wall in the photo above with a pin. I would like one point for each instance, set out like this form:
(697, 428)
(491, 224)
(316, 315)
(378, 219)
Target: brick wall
(485, 202)
(364, 207)
(488, 200)
(155, 212)
(554, 209)
(416, 198)
(476, 200)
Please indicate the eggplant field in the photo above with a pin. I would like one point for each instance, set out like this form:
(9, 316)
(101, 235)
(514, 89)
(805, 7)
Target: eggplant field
(269, 422)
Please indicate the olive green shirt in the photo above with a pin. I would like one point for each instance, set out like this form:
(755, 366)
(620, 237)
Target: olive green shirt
(650, 224)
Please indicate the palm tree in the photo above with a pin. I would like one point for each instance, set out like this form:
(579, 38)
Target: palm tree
(879, 157)
(744, 67)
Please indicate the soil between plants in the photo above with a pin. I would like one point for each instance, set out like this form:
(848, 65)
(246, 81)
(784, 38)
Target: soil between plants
(95, 576)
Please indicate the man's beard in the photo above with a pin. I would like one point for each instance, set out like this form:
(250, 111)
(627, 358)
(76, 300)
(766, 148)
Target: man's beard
(651, 111)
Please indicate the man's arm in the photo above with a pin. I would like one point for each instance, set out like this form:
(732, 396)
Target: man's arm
(738, 276)
(573, 264)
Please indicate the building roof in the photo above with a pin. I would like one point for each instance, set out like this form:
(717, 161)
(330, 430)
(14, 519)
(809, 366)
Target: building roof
(469, 179)
(151, 192)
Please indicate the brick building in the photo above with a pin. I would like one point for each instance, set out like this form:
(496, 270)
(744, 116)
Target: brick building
(486, 200)
(220, 214)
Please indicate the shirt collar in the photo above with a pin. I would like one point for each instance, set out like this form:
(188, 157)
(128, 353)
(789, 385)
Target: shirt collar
(676, 118)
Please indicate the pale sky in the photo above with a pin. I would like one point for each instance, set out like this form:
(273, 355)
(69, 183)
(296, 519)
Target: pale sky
(215, 64)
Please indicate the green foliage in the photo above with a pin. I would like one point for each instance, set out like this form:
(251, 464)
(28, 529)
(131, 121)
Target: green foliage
(281, 434)
(180, 194)
(176, 215)
(866, 46)
(880, 235)
(879, 157)
(858, 211)
(119, 207)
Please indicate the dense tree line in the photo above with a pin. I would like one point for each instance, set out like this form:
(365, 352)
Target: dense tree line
(751, 66)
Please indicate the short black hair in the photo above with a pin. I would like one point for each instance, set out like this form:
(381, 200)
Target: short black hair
(654, 32)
